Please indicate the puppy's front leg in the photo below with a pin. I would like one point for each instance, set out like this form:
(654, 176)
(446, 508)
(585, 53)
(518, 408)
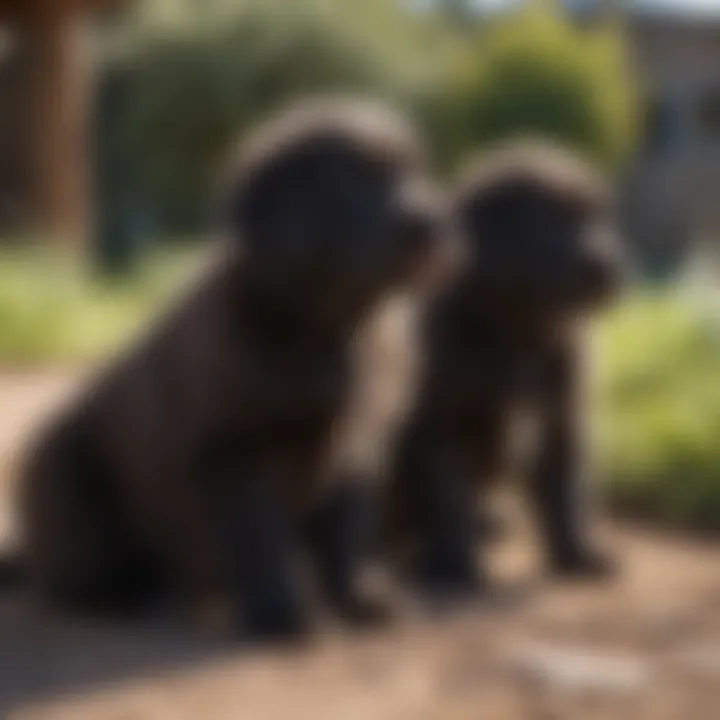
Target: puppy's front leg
(559, 483)
(340, 536)
(443, 518)
(265, 566)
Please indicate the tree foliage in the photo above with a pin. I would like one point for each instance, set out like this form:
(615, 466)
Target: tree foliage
(535, 71)
(191, 76)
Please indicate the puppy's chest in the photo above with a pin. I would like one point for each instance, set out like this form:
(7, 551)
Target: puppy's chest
(470, 379)
(384, 370)
(506, 429)
(490, 400)
(292, 393)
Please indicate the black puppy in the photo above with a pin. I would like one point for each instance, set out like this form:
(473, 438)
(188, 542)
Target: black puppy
(196, 461)
(508, 335)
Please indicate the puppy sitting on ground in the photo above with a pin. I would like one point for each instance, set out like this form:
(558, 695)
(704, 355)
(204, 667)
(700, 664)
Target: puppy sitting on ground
(195, 462)
(508, 335)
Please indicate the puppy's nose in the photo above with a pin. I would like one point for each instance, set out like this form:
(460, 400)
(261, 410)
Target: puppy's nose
(604, 267)
(432, 248)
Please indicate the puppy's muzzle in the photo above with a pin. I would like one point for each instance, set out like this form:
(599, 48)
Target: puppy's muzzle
(602, 269)
(424, 232)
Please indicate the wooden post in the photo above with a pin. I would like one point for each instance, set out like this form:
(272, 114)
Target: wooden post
(62, 90)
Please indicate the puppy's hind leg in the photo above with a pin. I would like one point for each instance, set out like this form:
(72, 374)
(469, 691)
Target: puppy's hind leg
(77, 553)
(12, 571)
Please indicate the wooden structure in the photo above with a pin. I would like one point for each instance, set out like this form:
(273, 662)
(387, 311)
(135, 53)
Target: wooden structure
(54, 35)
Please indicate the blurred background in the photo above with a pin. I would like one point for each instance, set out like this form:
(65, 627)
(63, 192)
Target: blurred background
(116, 114)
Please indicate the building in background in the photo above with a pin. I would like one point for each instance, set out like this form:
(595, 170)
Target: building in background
(672, 193)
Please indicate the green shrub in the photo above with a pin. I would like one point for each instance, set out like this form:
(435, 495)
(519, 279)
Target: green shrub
(535, 72)
(52, 312)
(186, 83)
(183, 91)
(660, 424)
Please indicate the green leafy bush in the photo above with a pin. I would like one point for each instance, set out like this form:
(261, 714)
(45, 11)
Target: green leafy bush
(660, 425)
(535, 72)
(184, 84)
(182, 91)
(52, 312)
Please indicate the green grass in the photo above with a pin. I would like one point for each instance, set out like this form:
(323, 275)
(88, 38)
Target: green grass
(52, 312)
(660, 409)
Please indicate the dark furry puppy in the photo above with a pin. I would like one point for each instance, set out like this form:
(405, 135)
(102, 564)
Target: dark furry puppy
(508, 334)
(195, 462)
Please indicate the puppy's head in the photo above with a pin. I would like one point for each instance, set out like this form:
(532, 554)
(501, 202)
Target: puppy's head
(330, 198)
(537, 220)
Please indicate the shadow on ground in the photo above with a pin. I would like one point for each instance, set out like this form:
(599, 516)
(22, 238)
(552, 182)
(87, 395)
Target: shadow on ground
(42, 657)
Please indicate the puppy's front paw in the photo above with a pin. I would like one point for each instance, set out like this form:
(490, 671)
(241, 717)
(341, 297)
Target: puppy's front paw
(448, 578)
(283, 622)
(215, 615)
(365, 611)
(585, 564)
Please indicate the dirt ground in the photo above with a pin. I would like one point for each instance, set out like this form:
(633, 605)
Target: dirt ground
(645, 647)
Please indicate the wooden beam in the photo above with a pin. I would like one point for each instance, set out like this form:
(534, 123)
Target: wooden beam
(21, 10)
(62, 91)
